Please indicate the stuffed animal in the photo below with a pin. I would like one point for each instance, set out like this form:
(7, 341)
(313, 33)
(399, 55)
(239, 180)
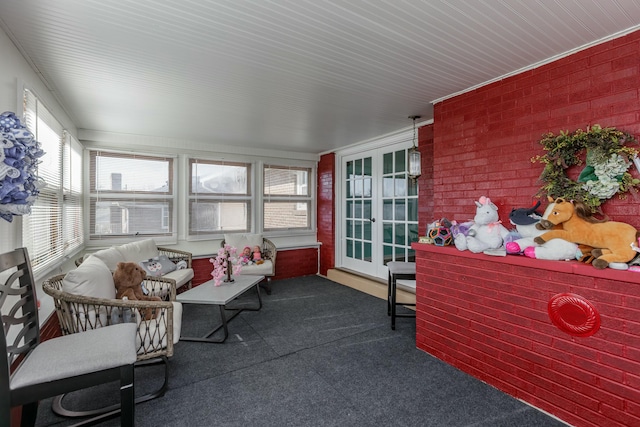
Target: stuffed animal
(245, 256)
(257, 255)
(612, 240)
(128, 279)
(525, 220)
(486, 233)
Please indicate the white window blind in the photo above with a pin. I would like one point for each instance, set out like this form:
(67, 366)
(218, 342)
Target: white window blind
(42, 230)
(219, 198)
(72, 206)
(131, 195)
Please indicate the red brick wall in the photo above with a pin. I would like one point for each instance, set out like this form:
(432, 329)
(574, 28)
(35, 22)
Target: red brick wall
(426, 180)
(326, 211)
(484, 139)
(488, 317)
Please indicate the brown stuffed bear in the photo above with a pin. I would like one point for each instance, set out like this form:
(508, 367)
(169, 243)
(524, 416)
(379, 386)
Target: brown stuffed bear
(128, 279)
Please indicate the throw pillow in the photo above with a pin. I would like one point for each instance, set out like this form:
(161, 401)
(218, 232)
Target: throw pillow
(158, 266)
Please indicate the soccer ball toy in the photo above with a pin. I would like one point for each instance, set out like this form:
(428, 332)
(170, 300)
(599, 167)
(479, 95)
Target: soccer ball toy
(441, 236)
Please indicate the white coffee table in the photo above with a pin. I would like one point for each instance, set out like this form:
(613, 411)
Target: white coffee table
(209, 294)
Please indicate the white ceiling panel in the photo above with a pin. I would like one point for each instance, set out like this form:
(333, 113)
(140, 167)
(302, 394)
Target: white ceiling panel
(297, 75)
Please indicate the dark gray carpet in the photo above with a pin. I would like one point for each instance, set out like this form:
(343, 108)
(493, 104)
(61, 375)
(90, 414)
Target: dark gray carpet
(317, 354)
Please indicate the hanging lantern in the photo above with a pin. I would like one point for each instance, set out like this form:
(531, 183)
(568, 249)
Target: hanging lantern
(414, 156)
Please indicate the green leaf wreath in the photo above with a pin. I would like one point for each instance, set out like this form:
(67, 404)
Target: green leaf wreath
(606, 173)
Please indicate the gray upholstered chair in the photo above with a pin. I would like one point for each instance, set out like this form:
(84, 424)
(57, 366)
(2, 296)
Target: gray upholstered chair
(59, 365)
(402, 275)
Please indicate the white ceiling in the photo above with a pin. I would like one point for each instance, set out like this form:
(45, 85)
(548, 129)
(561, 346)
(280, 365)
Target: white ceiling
(296, 75)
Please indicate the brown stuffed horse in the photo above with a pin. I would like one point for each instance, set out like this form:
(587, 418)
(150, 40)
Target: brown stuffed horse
(612, 240)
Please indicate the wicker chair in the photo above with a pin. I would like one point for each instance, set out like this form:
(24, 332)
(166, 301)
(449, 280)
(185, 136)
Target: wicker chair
(155, 338)
(269, 253)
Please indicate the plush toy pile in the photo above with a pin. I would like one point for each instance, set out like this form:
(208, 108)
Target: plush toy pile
(19, 153)
(566, 231)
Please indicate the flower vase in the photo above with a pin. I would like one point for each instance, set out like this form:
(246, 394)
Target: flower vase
(229, 279)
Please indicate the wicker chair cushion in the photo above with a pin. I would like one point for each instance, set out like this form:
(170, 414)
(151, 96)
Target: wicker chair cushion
(181, 276)
(141, 250)
(91, 279)
(111, 257)
(83, 353)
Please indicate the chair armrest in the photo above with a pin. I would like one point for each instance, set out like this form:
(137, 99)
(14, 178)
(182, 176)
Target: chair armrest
(272, 252)
(77, 313)
(175, 255)
(162, 287)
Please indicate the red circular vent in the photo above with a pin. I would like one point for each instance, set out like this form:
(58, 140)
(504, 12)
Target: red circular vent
(574, 315)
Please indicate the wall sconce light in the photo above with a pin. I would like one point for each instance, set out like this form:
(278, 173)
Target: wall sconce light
(414, 156)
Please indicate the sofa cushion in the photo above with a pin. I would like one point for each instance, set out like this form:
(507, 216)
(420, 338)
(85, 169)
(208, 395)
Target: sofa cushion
(92, 278)
(181, 276)
(158, 266)
(111, 257)
(264, 269)
(141, 250)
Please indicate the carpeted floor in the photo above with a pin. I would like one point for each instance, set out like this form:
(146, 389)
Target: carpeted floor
(317, 354)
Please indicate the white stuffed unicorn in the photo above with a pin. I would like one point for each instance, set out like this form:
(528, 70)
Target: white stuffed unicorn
(486, 233)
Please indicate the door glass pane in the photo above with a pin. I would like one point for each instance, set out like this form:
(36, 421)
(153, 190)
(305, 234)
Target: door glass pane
(366, 209)
(400, 237)
(366, 191)
(358, 167)
(401, 186)
(349, 170)
(387, 186)
(367, 167)
(367, 251)
(412, 209)
(366, 228)
(357, 209)
(387, 161)
(358, 188)
(387, 210)
(358, 249)
(357, 230)
(413, 233)
(349, 227)
(401, 158)
(400, 254)
(388, 253)
(413, 187)
(400, 210)
(350, 248)
(387, 233)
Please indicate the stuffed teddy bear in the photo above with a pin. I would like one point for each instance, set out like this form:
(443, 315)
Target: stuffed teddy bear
(486, 233)
(128, 279)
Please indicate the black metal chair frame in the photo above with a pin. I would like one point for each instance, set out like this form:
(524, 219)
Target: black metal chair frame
(392, 294)
(23, 314)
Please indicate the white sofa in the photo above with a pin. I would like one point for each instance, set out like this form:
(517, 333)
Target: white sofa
(144, 250)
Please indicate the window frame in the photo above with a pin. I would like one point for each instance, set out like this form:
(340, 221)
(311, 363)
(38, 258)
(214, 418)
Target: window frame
(288, 198)
(170, 197)
(194, 197)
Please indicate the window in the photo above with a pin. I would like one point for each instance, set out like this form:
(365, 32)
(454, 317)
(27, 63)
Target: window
(54, 228)
(286, 198)
(219, 197)
(130, 195)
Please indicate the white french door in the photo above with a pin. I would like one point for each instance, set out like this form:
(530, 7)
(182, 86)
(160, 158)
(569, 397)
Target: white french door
(379, 210)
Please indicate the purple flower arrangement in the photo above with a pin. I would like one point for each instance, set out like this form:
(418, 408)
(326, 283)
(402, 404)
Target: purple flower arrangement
(19, 154)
